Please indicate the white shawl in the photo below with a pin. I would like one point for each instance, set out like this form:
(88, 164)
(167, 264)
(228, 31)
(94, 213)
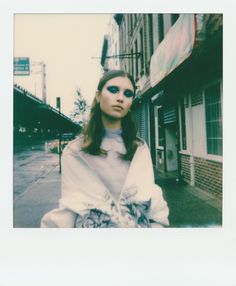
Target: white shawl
(86, 202)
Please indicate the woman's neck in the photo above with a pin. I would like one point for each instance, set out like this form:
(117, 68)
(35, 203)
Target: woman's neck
(111, 123)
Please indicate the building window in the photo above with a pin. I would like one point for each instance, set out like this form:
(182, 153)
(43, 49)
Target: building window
(123, 37)
(160, 127)
(213, 119)
(136, 61)
(131, 24)
(132, 62)
(125, 33)
(141, 50)
(160, 27)
(150, 29)
(120, 41)
(174, 18)
(116, 52)
(183, 125)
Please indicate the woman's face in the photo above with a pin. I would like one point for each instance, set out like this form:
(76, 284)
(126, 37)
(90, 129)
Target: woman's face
(116, 97)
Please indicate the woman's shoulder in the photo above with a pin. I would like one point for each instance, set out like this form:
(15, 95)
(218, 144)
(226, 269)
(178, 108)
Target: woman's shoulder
(141, 142)
(74, 146)
(143, 148)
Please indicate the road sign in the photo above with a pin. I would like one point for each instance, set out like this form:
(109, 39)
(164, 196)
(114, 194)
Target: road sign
(21, 66)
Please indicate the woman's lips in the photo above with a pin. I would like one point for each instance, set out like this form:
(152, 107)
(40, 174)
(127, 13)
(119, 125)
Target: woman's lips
(117, 107)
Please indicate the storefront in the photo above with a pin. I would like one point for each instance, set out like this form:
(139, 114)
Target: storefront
(187, 107)
(176, 47)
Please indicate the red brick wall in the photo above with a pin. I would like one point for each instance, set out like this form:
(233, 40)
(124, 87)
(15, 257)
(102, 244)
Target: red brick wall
(185, 167)
(208, 175)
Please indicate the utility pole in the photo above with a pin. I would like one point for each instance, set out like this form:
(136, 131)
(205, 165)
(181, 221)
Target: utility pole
(43, 73)
(44, 97)
(59, 108)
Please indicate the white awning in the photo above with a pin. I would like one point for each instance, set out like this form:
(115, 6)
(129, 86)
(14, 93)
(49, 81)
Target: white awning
(176, 47)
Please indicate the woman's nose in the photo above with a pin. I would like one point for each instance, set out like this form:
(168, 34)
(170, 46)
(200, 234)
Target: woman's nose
(120, 96)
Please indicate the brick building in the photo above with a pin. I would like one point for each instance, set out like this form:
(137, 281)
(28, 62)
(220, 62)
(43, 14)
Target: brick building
(176, 60)
(110, 50)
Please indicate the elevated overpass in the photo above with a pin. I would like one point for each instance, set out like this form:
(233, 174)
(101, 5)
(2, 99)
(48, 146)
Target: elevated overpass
(35, 119)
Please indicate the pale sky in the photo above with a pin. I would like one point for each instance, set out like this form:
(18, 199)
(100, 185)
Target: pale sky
(65, 43)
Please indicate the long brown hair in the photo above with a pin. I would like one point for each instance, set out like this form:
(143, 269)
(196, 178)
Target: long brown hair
(94, 130)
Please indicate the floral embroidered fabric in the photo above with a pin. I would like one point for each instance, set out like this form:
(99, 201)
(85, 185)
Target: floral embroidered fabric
(136, 213)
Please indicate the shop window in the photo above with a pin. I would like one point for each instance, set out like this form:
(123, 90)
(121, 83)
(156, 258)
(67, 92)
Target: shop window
(213, 119)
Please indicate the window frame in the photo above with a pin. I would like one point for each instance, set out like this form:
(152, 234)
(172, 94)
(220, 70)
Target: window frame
(214, 157)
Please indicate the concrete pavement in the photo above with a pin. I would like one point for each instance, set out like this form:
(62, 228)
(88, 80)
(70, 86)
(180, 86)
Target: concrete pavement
(190, 206)
(39, 198)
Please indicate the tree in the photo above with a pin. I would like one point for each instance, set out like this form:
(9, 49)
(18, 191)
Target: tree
(79, 113)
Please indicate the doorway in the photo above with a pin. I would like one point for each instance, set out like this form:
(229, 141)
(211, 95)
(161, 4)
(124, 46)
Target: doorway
(171, 148)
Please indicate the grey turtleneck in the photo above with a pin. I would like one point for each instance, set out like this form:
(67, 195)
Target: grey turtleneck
(111, 169)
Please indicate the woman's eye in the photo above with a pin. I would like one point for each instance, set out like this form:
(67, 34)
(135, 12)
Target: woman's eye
(128, 93)
(113, 89)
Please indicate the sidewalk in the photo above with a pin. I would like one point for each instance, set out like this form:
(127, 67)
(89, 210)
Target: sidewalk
(189, 207)
(39, 198)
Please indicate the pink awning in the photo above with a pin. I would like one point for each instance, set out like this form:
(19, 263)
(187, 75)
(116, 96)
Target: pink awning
(176, 47)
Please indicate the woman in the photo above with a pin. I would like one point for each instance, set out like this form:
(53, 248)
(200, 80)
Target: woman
(107, 174)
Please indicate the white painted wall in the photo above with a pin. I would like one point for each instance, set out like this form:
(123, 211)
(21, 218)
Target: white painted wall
(188, 125)
(199, 131)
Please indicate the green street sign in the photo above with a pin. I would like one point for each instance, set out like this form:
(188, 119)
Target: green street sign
(21, 66)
